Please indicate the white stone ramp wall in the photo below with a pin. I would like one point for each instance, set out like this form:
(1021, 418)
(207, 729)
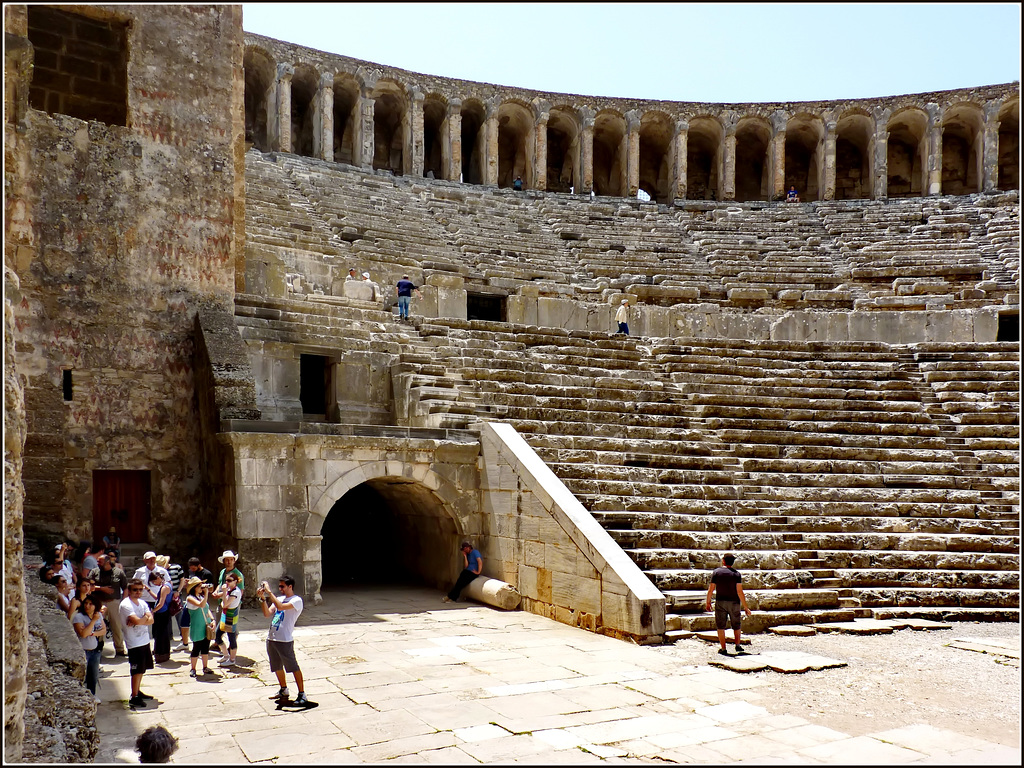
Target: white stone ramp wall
(543, 540)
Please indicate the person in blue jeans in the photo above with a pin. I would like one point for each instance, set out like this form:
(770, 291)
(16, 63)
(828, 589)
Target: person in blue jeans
(472, 564)
(89, 626)
(406, 289)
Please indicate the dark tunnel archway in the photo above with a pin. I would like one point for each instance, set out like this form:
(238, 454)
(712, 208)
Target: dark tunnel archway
(389, 531)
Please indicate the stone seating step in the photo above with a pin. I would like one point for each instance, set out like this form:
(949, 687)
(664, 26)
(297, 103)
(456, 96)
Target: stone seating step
(947, 613)
(681, 601)
(761, 621)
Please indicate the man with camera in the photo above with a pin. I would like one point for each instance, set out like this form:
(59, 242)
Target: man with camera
(283, 612)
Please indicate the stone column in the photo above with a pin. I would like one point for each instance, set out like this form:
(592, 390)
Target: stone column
(729, 162)
(990, 148)
(778, 146)
(880, 190)
(829, 186)
(934, 161)
(451, 142)
(632, 154)
(323, 119)
(540, 155)
(491, 145)
(586, 151)
(679, 144)
(280, 122)
(365, 149)
(415, 142)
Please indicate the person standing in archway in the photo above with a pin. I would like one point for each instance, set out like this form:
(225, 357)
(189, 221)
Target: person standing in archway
(472, 565)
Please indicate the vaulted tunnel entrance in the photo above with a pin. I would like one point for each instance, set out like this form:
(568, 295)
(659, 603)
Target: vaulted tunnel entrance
(389, 531)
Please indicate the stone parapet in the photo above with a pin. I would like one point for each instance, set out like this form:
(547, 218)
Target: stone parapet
(563, 562)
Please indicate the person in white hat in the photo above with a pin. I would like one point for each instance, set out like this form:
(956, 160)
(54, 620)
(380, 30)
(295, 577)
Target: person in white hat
(622, 317)
(229, 559)
(142, 573)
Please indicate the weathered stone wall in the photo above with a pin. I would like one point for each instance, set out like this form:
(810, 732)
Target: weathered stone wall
(286, 485)
(60, 713)
(121, 232)
(542, 541)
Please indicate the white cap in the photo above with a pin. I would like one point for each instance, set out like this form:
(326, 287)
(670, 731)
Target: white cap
(148, 555)
(366, 274)
(624, 301)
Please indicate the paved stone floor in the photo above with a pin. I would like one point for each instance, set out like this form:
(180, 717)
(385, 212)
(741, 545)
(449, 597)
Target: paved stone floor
(401, 676)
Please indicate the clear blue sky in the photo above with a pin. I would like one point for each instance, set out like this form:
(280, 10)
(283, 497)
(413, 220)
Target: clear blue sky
(677, 52)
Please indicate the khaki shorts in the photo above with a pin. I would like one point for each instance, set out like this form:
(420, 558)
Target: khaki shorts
(727, 611)
(282, 655)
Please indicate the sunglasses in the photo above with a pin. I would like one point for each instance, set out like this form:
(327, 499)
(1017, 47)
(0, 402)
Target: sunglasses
(135, 589)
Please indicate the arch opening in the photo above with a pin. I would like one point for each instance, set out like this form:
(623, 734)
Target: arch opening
(907, 154)
(473, 144)
(303, 105)
(656, 130)
(389, 531)
(703, 159)
(563, 151)
(1008, 165)
(853, 157)
(962, 153)
(753, 164)
(389, 131)
(610, 154)
(434, 113)
(259, 81)
(515, 131)
(804, 156)
(346, 120)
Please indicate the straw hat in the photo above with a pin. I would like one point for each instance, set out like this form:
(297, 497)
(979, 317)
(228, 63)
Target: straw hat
(192, 582)
(162, 561)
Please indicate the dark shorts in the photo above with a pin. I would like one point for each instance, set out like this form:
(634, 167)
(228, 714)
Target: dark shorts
(282, 655)
(140, 659)
(200, 648)
(184, 618)
(728, 611)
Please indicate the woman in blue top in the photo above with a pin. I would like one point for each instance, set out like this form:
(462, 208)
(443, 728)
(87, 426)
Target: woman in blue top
(473, 564)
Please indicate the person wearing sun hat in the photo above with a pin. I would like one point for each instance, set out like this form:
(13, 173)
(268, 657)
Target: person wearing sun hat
(229, 559)
(143, 572)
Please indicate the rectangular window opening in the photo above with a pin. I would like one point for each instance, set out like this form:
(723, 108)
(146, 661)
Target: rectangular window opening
(313, 380)
(80, 65)
(482, 306)
(66, 384)
(1009, 327)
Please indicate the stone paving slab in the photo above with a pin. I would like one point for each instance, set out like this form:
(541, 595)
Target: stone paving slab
(917, 624)
(495, 687)
(779, 661)
(996, 647)
(857, 627)
(794, 630)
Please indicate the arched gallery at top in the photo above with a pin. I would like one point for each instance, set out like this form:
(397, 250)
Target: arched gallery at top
(749, 157)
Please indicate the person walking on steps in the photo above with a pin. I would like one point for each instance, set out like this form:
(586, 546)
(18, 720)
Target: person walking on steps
(472, 565)
(622, 317)
(283, 612)
(728, 601)
(406, 288)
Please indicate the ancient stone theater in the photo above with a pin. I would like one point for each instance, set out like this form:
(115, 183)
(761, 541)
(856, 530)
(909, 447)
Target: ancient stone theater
(828, 387)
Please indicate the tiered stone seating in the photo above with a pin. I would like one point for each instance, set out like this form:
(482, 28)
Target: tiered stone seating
(848, 478)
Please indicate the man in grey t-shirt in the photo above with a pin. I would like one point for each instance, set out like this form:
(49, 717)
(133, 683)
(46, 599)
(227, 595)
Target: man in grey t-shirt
(283, 612)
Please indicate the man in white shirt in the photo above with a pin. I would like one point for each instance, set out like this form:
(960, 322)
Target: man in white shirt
(142, 573)
(283, 612)
(136, 618)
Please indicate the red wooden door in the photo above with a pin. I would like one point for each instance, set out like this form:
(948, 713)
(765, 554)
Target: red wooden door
(120, 497)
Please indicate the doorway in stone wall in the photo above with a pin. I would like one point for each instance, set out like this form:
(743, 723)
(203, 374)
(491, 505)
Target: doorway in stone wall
(388, 531)
(121, 498)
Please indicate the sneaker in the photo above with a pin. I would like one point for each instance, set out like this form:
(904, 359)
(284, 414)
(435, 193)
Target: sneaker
(121, 654)
(282, 693)
(722, 652)
(180, 647)
(741, 649)
(446, 599)
(145, 696)
(135, 702)
(98, 699)
(207, 671)
(225, 663)
(301, 698)
(191, 673)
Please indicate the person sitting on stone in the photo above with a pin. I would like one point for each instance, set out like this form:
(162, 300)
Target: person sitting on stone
(792, 196)
(472, 565)
(517, 185)
(112, 541)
